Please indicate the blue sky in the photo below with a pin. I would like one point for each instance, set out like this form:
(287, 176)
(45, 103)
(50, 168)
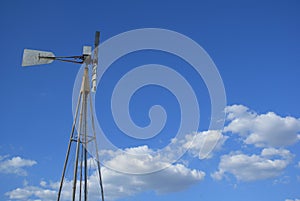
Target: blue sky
(255, 46)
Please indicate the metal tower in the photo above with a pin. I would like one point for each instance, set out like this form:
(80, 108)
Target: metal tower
(80, 136)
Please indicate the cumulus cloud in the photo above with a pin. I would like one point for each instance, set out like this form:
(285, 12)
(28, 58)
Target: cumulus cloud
(15, 165)
(172, 177)
(175, 178)
(204, 144)
(199, 144)
(143, 159)
(292, 199)
(272, 152)
(135, 160)
(30, 193)
(269, 164)
(116, 185)
(268, 132)
(262, 130)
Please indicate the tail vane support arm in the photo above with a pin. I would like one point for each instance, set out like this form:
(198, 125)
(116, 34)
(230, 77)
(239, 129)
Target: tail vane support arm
(72, 59)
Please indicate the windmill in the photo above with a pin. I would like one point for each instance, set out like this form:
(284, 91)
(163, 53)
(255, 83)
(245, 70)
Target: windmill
(79, 132)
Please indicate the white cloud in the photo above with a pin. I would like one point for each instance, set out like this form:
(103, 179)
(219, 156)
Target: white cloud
(176, 177)
(15, 165)
(272, 152)
(218, 175)
(145, 160)
(265, 130)
(203, 144)
(238, 111)
(29, 193)
(116, 185)
(269, 164)
(292, 199)
(172, 177)
(142, 159)
(262, 130)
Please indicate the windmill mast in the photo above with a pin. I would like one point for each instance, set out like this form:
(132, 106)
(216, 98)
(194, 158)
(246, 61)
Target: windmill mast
(79, 132)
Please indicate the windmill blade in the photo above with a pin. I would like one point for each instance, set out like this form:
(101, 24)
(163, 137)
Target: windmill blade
(95, 62)
(36, 57)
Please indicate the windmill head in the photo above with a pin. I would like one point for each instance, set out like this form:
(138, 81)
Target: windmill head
(37, 57)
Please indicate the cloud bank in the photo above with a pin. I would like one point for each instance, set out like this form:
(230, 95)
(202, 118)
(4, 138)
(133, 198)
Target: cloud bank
(268, 136)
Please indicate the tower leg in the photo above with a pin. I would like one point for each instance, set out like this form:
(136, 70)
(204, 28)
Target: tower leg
(97, 151)
(85, 143)
(77, 153)
(68, 150)
(81, 136)
(80, 179)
